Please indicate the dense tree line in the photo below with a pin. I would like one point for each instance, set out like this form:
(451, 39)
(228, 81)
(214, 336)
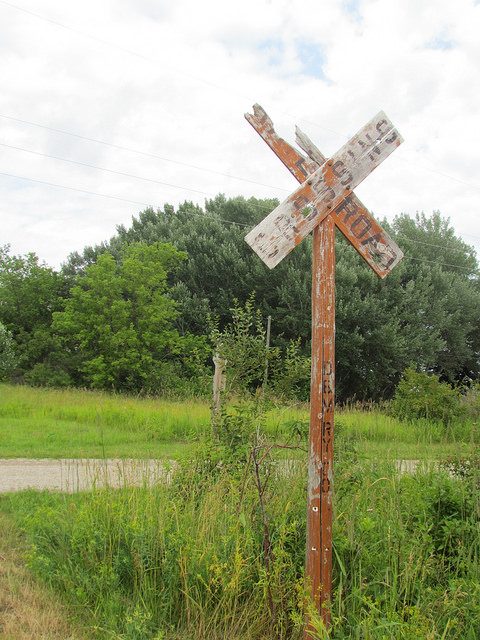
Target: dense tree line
(134, 312)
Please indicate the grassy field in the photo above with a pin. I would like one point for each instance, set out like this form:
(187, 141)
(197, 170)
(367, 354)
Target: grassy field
(37, 423)
(185, 560)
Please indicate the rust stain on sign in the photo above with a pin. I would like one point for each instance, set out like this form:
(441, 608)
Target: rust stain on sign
(352, 218)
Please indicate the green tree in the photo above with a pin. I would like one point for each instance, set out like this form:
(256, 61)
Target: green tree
(30, 293)
(242, 345)
(425, 313)
(221, 266)
(8, 359)
(118, 322)
(447, 269)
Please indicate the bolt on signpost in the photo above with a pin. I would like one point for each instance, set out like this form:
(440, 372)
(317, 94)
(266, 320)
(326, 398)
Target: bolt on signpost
(324, 200)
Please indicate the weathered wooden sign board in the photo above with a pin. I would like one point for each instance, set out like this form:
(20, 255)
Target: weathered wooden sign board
(323, 201)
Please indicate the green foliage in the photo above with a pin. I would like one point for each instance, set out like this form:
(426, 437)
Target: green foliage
(44, 375)
(220, 266)
(426, 312)
(30, 292)
(242, 345)
(419, 395)
(8, 358)
(186, 559)
(163, 556)
(118, 321)
(291, 374)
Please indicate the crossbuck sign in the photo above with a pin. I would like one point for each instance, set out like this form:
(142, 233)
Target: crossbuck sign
(324, 200)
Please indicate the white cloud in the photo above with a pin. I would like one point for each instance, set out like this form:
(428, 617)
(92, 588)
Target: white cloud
(173, 80)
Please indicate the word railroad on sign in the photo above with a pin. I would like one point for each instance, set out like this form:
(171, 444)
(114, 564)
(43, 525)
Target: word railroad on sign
(324, 200)
(327, 188)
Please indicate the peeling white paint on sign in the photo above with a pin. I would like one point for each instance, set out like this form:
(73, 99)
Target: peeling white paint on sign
(323, 191)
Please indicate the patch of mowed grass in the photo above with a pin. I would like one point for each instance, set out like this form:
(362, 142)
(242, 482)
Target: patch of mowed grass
(186, 559)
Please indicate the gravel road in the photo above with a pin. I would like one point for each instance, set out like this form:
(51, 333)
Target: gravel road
(72, 475)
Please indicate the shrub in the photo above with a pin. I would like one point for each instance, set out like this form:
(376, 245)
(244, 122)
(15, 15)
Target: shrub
(420, 395)
(292, 374)
(8, 359)
(43, 375)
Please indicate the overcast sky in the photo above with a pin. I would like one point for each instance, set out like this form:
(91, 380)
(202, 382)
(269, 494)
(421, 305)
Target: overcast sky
(109, 106)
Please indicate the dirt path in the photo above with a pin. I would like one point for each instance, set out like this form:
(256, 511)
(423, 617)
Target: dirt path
(29, 609)
(72, 475)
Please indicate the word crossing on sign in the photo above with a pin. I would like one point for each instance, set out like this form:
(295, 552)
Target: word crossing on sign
(328, 189)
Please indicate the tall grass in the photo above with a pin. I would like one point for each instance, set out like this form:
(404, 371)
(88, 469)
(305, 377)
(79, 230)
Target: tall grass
(164, 418)
(185, 560)
(77, 423)
(378, 434)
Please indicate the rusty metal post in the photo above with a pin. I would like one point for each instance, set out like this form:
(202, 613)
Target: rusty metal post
(318, 562)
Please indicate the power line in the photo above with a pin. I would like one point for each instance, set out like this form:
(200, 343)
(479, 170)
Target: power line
(413, 163)
(61, 186)
(103, 195)
(206, 216)
(164, 159)
(114, 46)
(443, 264)
(429, 244)
(136, 177)
(203, 81)
(129, 150)
(119, 173)
(259, 207)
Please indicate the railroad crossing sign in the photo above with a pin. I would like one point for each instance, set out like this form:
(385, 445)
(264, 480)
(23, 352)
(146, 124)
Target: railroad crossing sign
(325, 199)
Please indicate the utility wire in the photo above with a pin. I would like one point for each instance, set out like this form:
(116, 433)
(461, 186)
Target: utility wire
(206, 216)
(152, 180)
(110, 44)
(103, 195)
(430, 244)
(162, 158)
(203, 81)
(155, 156)
(443, 264)
(61, 186)
(121, 148)
(259, 207)
(119, 173)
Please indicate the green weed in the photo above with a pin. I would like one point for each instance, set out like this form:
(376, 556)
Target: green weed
(182, 560)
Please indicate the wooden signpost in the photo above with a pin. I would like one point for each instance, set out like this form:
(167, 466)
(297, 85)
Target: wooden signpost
(323, 201)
